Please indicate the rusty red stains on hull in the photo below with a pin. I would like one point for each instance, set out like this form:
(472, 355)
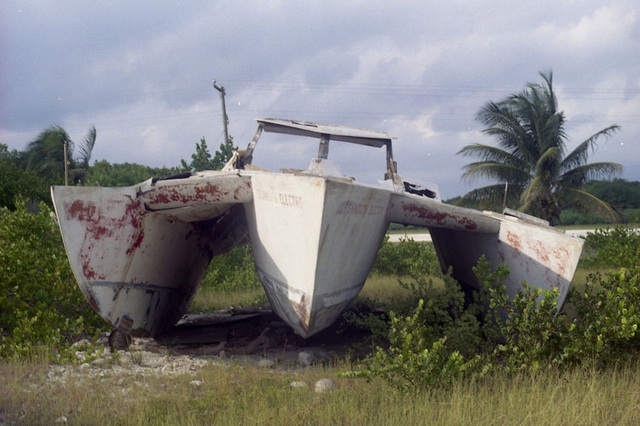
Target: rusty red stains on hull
(82, 211)
(541, 251)
(98, 227)
(87, 270)
(136, 243)
(238, 191)
(439, 217)
(181, 194)
(135, 212)
(88, 213)
(209, 189)
(514, 241)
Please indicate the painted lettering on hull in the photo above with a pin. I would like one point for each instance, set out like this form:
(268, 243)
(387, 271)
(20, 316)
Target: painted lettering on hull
(360, 209)
(280, 198)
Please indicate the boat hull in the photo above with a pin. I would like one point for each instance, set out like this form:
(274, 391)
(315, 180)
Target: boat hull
(136, 259)
(314, 240)
(541, 255)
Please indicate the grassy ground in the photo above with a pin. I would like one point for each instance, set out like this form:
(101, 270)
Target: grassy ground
(239, 394)
(247, 394)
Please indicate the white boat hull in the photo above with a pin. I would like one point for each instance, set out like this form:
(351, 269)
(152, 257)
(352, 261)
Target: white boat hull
(135, 258)
(314, 240)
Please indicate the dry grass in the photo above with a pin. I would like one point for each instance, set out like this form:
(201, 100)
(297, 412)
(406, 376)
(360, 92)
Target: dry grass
(247, 394)
(208, 299)
(250, 395)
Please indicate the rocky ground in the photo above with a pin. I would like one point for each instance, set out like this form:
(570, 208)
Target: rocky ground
(251, 336)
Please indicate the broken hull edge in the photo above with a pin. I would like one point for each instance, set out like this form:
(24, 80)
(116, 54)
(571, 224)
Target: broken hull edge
(291, 305)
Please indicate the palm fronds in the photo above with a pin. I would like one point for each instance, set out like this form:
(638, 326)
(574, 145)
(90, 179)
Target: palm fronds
(531, 155)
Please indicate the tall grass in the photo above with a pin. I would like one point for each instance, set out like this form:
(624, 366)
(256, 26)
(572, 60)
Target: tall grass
(249, 395)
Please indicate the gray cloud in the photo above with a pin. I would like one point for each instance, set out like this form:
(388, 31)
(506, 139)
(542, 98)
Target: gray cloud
(141, 73)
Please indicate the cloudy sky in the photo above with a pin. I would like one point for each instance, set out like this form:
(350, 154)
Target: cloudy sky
(141, 73)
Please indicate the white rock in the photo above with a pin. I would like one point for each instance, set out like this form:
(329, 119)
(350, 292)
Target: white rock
(266, 363)
(196, 383)
(324, 385)
(299, 385)
(305, 358)
(81, 342)
(62, 420)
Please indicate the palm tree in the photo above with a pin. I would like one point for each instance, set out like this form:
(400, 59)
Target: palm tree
(531, 157)
(45, 154)
(81, 165)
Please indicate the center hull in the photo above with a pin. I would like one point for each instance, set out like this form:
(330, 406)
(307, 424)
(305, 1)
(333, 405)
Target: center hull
(314, 240)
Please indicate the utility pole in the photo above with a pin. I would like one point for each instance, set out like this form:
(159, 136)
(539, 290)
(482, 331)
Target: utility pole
(66, 164)
(225, 119)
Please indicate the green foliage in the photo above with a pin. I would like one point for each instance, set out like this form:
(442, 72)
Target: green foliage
(607, 318)
(633, 215)
(574, 217)
(612, 248)
(17, 181)
(203, 160)
(534, 335)
(531, 156)
(444, 338)
(40, 302)
(445, 314)
(103, 173)
(414, 361)
(620, 193)
(45, 154)
(404, 258)
(224, 153)
(232, 271)
(530, 332)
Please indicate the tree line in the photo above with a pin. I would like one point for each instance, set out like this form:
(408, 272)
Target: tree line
(531, 167)
(30, 173)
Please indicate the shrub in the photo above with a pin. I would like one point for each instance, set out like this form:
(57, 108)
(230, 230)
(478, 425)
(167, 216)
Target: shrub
(414, 361)
(444, 313)
(607, 318)
(524, 333)
(40, 302)
(612, 248)
(232, 271)
(406, 257)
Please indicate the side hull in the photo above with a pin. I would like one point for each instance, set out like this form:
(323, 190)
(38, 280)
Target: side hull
(138, 269)
(541, 256)
(314, 240)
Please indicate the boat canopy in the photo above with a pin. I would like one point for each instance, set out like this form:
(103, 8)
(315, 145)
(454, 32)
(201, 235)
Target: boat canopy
(337, 133)
(326, 133)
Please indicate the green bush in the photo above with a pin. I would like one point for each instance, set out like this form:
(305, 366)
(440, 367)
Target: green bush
(605, 328)
(406, 257)
(414, 361)
(573, 217)
(612, 248)
(232, 271)
(40, 302)
(525, 333)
